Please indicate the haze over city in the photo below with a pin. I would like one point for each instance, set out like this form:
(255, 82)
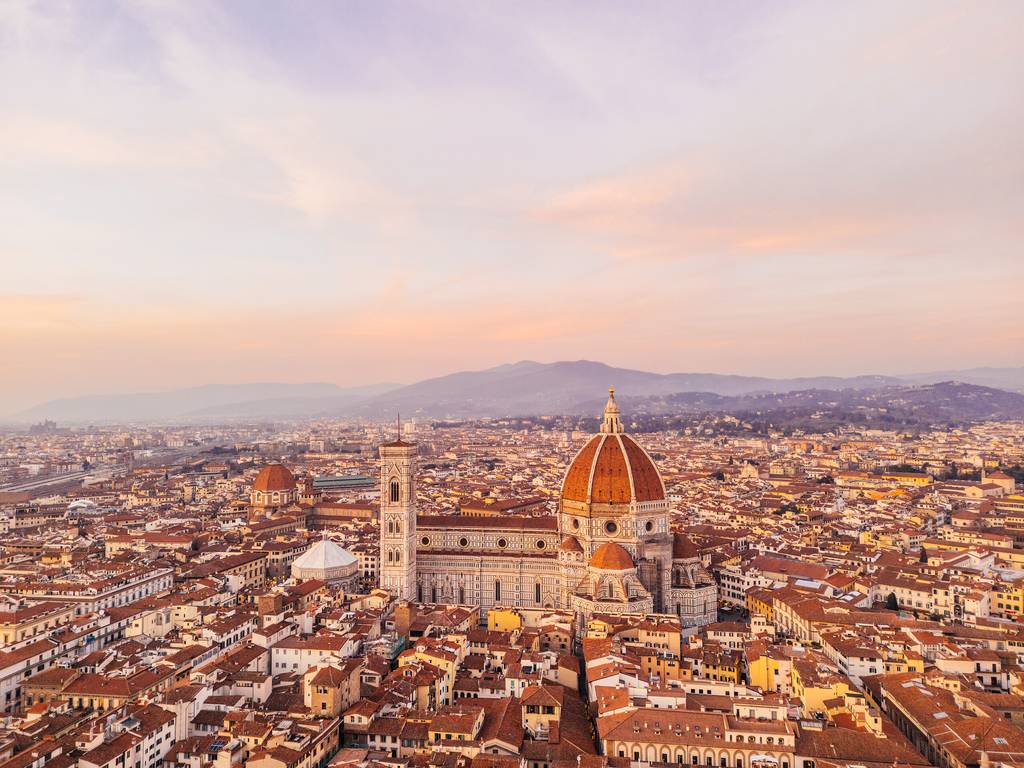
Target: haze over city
(203, 193)
(450, 384)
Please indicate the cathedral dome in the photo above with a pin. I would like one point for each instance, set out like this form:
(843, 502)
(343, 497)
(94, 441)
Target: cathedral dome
(612, 468)
(274, 477)
(611, 557)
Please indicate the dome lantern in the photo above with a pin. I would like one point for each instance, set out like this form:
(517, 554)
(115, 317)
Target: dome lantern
(612, 423)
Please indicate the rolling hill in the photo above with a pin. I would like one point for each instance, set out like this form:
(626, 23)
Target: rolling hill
(529, 388)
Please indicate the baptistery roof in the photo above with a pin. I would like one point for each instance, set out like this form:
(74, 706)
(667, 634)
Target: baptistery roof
(324, 555)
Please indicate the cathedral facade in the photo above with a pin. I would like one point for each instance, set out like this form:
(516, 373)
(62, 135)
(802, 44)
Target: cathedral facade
(609, 549)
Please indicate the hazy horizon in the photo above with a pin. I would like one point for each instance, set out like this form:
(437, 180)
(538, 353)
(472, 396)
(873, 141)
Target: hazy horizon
(399, 384)
(356, 193)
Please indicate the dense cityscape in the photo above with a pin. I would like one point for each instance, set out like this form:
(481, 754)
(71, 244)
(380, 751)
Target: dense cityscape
(483, 595)
(460, 384)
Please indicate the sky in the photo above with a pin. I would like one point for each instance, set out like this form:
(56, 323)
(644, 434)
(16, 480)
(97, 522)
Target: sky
(372, 191)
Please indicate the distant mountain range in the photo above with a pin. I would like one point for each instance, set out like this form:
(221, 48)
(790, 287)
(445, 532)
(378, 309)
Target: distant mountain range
(519, 389)
(207, 403)
(916, 405)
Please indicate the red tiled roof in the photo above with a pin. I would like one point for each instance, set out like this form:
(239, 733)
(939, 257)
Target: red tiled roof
(274, 477)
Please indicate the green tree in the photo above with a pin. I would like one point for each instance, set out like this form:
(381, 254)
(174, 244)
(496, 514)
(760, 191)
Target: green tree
(891, 602)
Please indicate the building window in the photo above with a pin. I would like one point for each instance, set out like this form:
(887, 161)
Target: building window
(462, 595)
(536, 593)
(497, 591)
(395, 493)
(433, 594)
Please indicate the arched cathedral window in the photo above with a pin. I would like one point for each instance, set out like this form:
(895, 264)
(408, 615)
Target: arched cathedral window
(497, 591)
(395, 493)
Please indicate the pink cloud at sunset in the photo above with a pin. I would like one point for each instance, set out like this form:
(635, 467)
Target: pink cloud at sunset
(394, 191)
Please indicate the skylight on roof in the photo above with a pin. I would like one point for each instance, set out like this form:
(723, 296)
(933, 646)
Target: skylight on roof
(938, 715)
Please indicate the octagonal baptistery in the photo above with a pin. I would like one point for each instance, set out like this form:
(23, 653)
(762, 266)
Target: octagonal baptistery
(612, 491)
(326, 561)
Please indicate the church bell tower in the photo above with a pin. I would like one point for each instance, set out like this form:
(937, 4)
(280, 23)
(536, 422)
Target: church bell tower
(398, 518)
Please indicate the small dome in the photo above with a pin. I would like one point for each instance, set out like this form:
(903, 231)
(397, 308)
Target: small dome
(683, 548)
(274, 477)
(570, 544)
(611, 557)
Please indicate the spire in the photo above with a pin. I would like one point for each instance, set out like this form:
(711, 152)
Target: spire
(612, 419)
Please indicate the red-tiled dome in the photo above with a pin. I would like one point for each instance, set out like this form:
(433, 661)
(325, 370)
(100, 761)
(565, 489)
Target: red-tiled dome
(611, 557)
(612, 469)
(274, 477)
(570, 544)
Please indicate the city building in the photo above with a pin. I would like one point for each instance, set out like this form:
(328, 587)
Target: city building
(609, 550)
